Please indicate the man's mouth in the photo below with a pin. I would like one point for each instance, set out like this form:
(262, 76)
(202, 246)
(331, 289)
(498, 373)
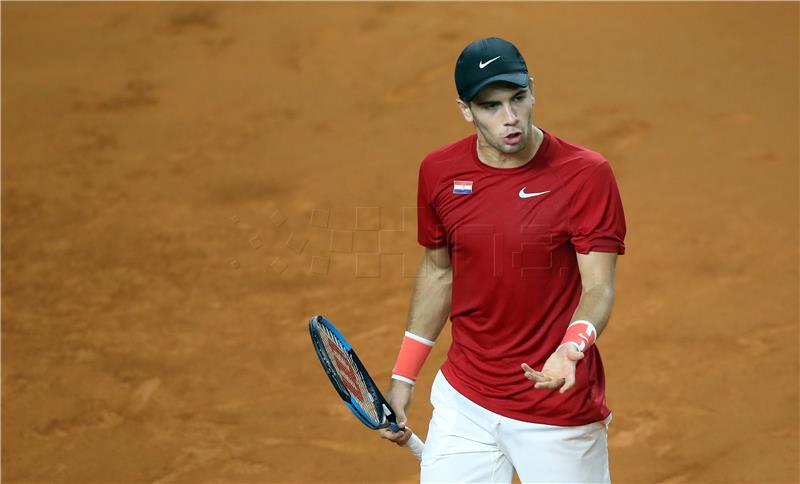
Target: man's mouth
(513, 138)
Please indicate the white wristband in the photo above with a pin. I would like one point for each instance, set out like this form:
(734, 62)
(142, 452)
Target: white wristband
(403, 379)
(583, 321)
(419, 338)
(569, 343)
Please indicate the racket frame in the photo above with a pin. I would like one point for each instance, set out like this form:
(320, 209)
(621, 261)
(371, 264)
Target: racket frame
(382, 407)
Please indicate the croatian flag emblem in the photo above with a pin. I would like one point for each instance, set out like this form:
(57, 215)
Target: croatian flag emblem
(462, 187)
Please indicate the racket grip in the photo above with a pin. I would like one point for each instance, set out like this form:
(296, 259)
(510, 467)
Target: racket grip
(416, 446)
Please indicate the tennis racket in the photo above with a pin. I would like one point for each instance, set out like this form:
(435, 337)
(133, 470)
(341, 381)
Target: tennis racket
(352, 382)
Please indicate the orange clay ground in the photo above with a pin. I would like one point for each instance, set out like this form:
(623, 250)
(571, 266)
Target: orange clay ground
(183, 185)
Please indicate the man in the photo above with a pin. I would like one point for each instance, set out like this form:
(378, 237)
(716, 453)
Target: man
(521, 231)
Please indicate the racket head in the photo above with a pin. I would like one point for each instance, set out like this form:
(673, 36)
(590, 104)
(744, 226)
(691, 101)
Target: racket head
(349, 376)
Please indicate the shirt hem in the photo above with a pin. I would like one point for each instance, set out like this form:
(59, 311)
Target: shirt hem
(601, 248)
(432, 245)
(522, 417)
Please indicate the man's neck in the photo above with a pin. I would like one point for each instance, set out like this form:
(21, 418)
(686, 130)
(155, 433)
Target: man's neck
(496, 159)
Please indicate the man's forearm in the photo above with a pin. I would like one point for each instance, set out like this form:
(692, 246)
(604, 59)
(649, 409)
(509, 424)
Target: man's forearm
(430, 301)
(595, 306)
(432, 294)
(428, 311)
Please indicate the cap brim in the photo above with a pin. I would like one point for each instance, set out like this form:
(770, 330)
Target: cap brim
(520, 79)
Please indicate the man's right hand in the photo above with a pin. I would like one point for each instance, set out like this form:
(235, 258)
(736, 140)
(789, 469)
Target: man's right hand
(399, 398)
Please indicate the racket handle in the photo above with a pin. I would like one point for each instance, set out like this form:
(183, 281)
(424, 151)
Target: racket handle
(416, 446)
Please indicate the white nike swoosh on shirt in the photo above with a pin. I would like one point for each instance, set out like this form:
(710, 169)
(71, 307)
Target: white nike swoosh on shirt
(522, 193)
(482, 64)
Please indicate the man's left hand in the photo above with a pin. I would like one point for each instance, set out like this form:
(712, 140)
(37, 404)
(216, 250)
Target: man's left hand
(558, 371)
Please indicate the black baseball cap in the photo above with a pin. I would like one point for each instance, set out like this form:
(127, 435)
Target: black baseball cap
(485, 61)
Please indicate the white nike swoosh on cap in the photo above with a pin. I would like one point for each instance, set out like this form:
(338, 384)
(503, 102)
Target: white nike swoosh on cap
(522, 193)
(482, 64)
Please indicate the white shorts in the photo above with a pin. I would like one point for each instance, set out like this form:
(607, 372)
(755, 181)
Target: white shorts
(467, 443)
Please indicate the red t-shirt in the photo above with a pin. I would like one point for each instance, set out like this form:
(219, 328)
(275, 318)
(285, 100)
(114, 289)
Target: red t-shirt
(512, 235)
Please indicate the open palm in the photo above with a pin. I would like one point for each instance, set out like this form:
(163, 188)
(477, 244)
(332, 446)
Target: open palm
(558, 371)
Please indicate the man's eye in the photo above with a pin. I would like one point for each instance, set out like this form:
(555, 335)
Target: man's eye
(490, 105)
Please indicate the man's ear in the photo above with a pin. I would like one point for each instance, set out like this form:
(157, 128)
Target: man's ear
(530, 86)
(465, 111)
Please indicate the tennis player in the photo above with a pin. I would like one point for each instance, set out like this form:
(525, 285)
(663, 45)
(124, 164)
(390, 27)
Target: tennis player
(521, 231)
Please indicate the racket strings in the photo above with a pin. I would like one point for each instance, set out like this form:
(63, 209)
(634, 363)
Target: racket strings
(348, 372)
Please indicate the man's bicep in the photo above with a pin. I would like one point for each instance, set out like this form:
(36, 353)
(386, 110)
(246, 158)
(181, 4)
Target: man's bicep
(430, 230)
(597, 268)
(435, 260)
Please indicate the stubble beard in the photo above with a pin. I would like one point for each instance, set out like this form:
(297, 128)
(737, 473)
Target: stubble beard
(527, 133)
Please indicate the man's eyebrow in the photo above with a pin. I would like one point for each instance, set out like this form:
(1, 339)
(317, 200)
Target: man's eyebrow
(521, 90)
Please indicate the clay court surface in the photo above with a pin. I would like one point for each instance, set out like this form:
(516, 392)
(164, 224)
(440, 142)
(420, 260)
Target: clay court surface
(183, 185)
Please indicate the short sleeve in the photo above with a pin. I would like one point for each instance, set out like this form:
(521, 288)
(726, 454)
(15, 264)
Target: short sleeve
(598, 221)
(430, 231)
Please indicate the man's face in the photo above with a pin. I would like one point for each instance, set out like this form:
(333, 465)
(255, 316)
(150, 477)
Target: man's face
(502, 115)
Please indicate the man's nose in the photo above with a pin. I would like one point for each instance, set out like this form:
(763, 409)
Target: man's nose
(510, 115)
